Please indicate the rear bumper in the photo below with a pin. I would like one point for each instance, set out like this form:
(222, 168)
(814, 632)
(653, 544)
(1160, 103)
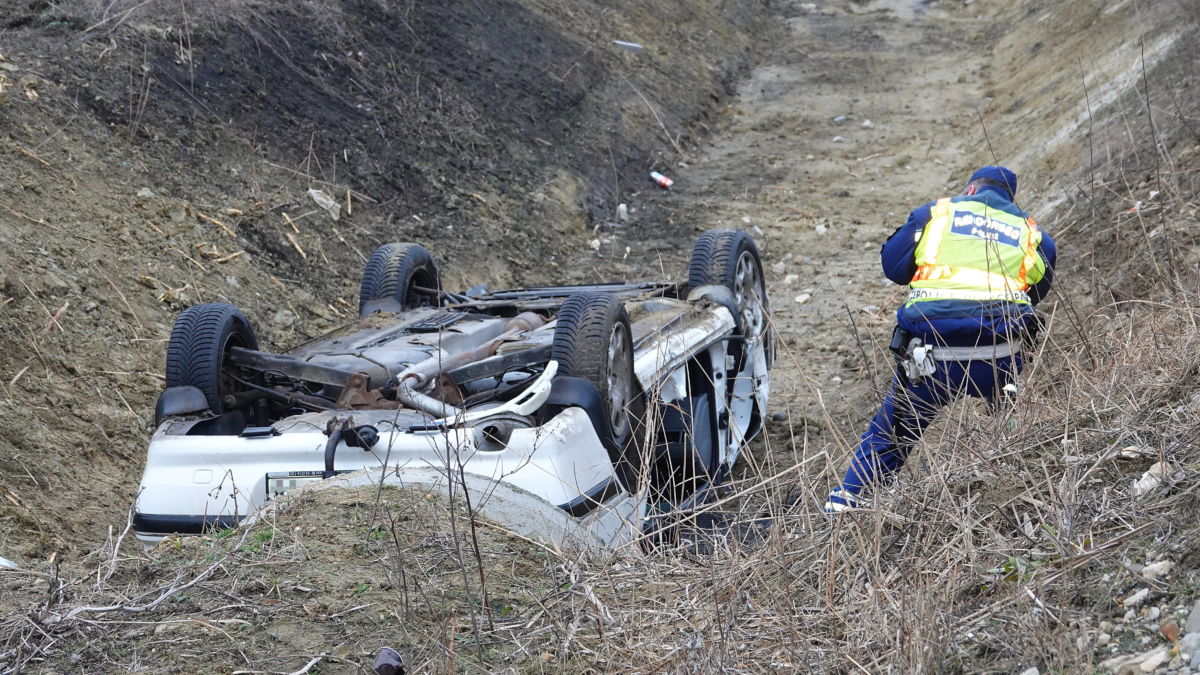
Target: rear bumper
(195, 483)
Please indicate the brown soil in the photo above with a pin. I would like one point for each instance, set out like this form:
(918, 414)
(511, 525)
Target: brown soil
(159, 157)
(508, 156)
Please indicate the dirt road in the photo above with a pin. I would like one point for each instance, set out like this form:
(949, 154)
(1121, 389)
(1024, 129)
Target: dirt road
(865, 111)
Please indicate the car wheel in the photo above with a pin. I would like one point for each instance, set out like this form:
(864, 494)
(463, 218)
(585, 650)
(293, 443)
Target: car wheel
(729, 258)
(403, 272)
(200, 341)
(592, 340)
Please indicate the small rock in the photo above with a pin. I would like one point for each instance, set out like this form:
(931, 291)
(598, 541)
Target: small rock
(594, 244)
(821, 228)
(779, 417)
(1190, 643)
(1031, 671)
(839, 119)
(1123, 663)
(1136, 599)
(623, 213)
(803, 298)
(1129, 616)
(779, 267)
(1170, 631)
(791, 279)
(1195, 662)
(1106, 626)
(283, 318)
(868, 124)
(1156, 570)
(1103, 639)
(745, 220)
(838, 139)
(145, 192)
(1193, 620)
(1151, 613)
(1153, 659)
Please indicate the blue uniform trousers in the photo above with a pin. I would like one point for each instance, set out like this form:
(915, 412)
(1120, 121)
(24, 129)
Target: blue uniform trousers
(909, 408)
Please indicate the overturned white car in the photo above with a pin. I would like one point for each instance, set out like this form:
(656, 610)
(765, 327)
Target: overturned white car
(575, 412)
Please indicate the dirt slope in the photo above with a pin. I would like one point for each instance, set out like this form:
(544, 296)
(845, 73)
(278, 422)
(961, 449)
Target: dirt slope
(157, 156)
(1014, 540)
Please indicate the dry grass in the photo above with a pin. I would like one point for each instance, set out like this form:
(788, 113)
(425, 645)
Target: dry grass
(1002, 547)
(1010, 537)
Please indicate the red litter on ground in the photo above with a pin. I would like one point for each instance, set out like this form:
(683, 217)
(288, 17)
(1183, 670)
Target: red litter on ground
(661, 180)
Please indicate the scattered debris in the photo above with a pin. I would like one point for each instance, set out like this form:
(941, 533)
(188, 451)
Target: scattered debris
(5, 562)
(145, 192)
(224, 228)
(594, 244)
(623, 213)
(389, 662)
(661, 180)
(53, 322)
(1156, 570)
(1136, 599)
(323, 200)
(839, 119)
(630, 46)
(791, 279)
(821, 229)
(867, 124)
(838, 139)
(1150, 480)
(296, 245)
(1135, 452)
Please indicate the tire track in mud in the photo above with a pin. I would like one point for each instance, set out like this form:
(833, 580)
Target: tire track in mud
(864, 111)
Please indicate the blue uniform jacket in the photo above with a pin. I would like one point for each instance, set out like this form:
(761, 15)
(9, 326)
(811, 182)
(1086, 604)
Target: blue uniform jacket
(960, 322)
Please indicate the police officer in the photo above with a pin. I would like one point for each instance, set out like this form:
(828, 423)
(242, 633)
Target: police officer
(976, 265)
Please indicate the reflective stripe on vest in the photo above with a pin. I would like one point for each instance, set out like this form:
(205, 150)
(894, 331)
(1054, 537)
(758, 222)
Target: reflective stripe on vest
(971, 251)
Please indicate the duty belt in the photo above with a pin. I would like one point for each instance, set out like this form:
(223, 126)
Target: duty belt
(921, 357)
(979, 353)
(953, 294)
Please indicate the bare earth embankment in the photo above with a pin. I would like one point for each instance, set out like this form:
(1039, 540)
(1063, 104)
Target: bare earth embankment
(1016, 539)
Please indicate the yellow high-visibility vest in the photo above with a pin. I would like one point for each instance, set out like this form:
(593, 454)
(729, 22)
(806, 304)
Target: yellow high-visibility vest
(970, 251)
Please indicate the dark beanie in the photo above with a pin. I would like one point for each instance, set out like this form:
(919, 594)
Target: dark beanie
(1000, 175)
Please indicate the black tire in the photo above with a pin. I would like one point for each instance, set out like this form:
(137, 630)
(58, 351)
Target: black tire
(404, 272)
(200, 341)
(593, 340)
(730, 258)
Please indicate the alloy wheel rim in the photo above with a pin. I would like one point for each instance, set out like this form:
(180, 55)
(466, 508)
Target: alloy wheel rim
(620, 362)
(748, 292)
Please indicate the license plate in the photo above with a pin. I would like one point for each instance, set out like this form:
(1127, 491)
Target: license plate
(279, 482)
